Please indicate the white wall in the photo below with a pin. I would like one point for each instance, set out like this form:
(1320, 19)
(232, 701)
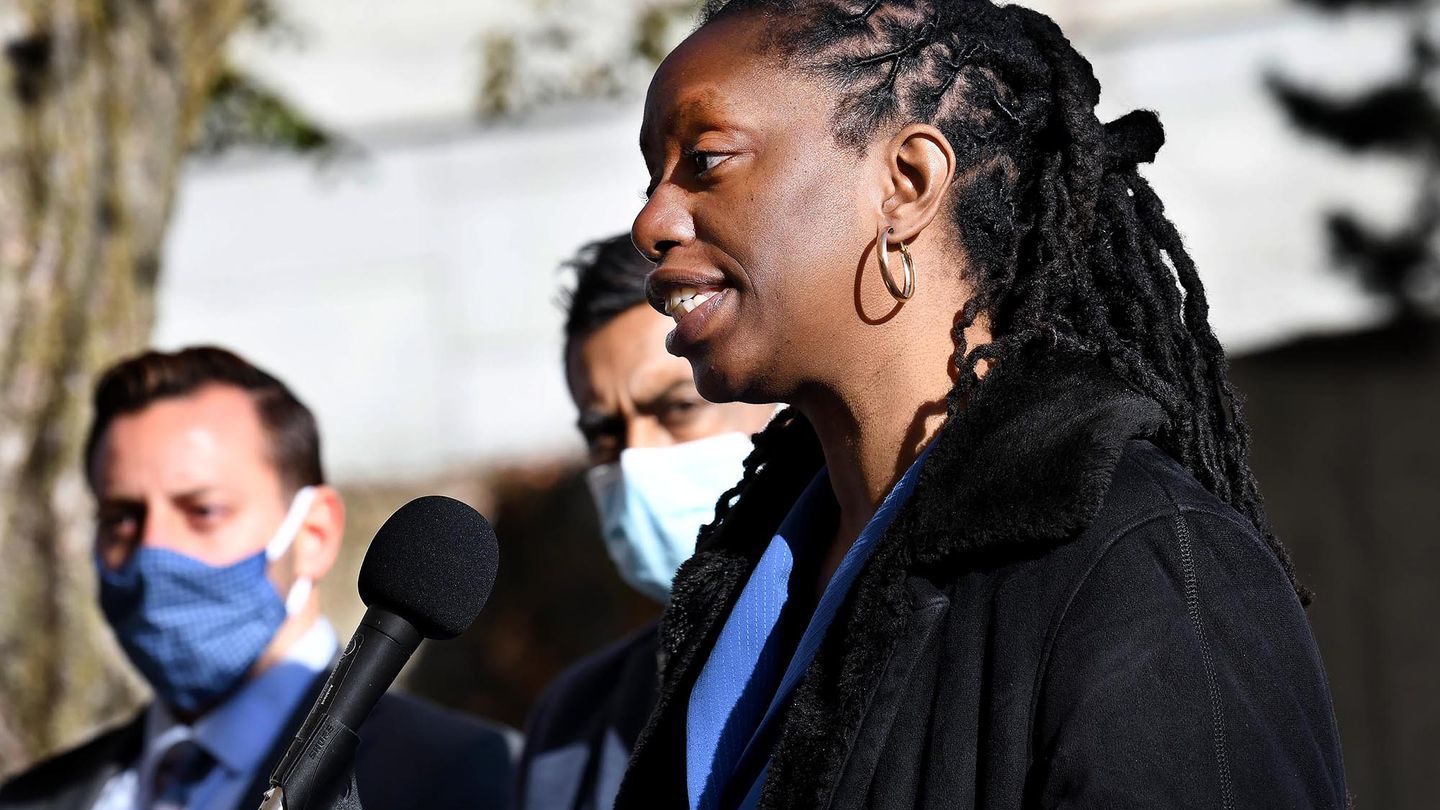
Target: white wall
(409, 295)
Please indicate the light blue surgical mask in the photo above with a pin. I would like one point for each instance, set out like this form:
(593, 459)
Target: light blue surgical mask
(192, 629)
(653, 501)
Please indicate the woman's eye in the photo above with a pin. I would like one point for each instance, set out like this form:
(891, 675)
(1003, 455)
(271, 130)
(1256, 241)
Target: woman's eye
(705, 161)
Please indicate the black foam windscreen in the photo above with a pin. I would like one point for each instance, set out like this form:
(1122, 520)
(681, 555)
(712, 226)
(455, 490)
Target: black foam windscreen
(433, 564)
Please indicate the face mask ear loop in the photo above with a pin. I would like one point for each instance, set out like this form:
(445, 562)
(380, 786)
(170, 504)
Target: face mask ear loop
(284, 538)
(298, 596)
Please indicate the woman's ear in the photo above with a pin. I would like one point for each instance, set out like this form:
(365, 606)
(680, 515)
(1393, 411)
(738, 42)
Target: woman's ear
(921, 165)
(317, 543)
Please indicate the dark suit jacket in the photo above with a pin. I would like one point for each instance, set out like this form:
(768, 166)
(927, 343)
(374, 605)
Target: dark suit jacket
(580, 734)
(412, 754)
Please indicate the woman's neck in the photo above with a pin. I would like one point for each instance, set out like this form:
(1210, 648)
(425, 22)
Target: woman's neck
(868, 446)
(869, 439)
(871, 430)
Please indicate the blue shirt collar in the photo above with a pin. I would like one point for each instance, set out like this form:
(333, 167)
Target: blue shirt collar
(804, 518)
(749, 674)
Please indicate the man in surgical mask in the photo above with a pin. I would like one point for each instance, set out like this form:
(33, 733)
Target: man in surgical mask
(660, 458)
(215, 528)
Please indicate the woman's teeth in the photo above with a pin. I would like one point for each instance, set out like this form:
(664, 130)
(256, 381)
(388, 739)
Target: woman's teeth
(683, 301)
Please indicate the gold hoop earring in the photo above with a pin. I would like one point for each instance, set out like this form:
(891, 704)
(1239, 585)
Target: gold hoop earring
(882, 249)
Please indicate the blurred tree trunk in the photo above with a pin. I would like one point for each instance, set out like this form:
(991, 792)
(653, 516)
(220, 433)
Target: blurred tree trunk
(98, 101)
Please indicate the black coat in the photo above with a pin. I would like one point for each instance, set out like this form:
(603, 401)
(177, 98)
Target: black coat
(1061, 616)
(412, 754)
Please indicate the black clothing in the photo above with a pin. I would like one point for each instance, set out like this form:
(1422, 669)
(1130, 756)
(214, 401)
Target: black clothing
(581, 732)
(1061, 616)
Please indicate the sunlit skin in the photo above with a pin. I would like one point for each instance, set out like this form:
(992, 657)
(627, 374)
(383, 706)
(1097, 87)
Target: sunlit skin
(631, 393)
(752, 197)
(193, 475)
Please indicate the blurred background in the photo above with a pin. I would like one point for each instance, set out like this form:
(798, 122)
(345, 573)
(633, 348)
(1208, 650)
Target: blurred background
(371, 199)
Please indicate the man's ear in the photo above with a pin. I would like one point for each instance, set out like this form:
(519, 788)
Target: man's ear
(317, 543)
(921, 166)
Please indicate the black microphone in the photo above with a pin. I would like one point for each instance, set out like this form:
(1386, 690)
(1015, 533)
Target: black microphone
(427, 574)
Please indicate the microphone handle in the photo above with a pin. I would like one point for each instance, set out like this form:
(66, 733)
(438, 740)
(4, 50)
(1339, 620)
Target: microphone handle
(326, 742)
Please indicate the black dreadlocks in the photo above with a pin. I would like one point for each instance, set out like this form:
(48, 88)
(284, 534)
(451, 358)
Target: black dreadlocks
(1067, 245)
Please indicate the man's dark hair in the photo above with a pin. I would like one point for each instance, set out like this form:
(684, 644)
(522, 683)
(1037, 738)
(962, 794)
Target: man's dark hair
(1067, 245)
(134, 384)
(609, 279)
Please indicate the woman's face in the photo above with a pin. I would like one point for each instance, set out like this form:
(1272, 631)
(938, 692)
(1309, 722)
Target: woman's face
(757, 218)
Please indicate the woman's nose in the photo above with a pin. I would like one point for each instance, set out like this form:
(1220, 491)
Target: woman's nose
(663, 223)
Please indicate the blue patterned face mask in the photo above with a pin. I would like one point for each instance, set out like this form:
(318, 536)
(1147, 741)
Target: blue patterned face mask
(194, 630)
(653, 501)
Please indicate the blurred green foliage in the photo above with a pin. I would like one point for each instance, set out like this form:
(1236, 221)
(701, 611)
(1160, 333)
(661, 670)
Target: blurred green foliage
(577, 49)
(243, 112)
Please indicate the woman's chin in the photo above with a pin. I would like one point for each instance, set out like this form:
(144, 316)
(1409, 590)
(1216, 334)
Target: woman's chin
(724, 382)
(717, 381)
(713, 385)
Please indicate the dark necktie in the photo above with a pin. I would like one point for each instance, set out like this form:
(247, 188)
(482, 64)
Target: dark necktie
(179, 773)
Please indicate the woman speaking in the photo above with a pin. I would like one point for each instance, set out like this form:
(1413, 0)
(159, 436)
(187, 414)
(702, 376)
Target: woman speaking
(1004, 549)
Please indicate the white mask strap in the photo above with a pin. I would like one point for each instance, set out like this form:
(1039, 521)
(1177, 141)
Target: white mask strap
(298, 596)
(282, 540)
(290, 526)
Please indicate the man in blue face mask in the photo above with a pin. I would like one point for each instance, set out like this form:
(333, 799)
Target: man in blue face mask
(660, 456)
(215, 527)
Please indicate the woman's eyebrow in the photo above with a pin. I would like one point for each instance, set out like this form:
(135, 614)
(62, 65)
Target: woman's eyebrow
(696, 106)
(700, 106)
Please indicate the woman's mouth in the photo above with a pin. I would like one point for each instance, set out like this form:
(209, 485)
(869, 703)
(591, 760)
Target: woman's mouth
(698, 299)
(696, 312)
(684, 300)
